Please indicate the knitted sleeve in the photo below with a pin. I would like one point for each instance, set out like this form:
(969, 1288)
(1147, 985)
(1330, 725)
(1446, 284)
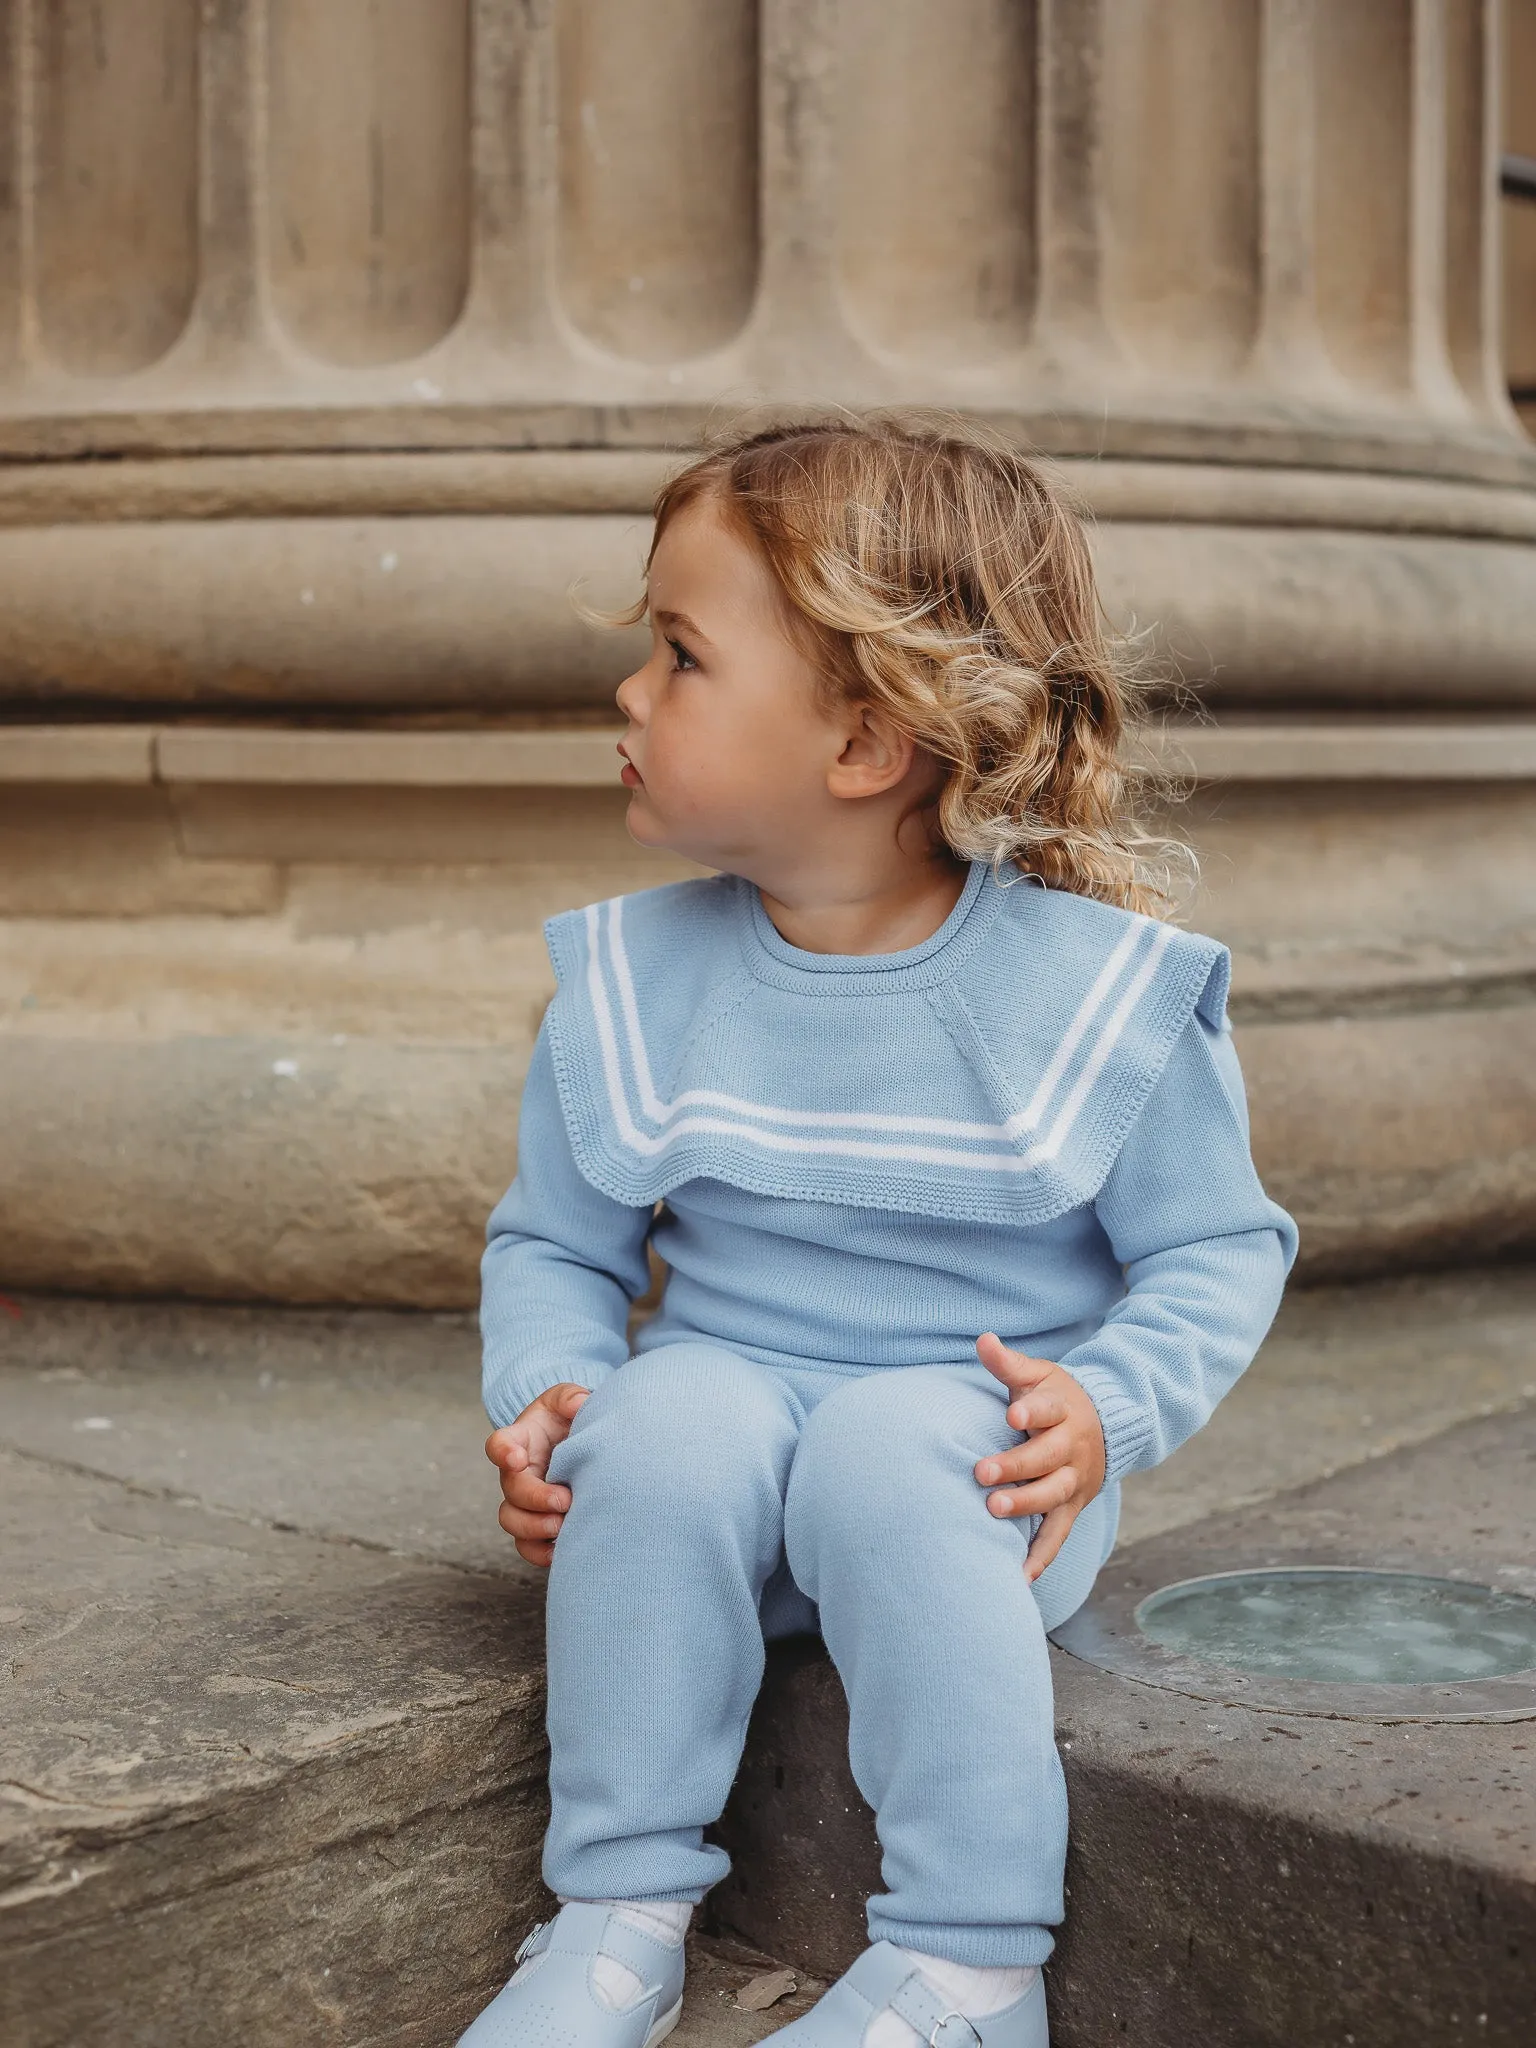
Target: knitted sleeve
(562, 1265)
(1205, 1254)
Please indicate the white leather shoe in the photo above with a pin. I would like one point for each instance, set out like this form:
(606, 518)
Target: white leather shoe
(550, 2002)
(883, 1977)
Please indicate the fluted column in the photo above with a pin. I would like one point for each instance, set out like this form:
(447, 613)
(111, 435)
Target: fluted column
(1248, 233)
(1519, 264)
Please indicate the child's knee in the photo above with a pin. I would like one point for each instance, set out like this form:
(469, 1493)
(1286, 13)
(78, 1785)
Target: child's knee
(906, 1416)
(683, 1413)
(890, 1445)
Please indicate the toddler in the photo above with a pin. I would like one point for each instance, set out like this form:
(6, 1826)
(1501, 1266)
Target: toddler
(940, 1134)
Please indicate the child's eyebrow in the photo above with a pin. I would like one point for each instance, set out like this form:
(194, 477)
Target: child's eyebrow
(682, 619)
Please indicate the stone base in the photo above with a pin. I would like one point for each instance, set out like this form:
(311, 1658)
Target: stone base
(267, 995)
(1307, 590)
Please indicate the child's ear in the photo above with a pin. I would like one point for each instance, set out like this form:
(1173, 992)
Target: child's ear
(876, 756)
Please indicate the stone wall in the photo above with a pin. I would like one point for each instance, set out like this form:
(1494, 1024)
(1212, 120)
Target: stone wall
(335, 346)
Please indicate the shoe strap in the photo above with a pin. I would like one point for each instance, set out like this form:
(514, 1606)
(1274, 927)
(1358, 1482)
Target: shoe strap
(935, 2020)
(577, 1929)
(650, 1959)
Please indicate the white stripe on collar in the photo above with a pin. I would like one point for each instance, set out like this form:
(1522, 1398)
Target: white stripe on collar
(820, 1125)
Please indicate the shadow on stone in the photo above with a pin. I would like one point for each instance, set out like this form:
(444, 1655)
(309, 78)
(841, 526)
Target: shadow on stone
(804, 1857)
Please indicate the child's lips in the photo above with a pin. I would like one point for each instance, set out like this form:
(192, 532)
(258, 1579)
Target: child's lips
(629, 774)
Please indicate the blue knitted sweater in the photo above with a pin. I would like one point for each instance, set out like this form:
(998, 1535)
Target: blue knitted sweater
(1031, 1123)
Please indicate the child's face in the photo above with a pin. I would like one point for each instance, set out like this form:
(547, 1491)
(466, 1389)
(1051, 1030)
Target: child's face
(733, 759)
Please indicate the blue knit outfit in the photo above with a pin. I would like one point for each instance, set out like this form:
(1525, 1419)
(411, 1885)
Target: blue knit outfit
(1032, 1123)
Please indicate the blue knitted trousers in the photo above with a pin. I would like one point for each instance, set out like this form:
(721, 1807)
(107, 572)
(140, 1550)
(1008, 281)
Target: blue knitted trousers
(716, 1501)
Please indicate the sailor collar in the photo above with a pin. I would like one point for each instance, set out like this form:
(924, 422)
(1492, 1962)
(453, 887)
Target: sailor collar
(990, 1073)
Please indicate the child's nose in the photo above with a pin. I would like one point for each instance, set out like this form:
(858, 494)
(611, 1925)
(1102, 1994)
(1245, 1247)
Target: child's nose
(630, 697)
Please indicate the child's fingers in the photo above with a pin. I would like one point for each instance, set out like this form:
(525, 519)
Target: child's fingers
(530, 1491)
(505, 1447)
(542, 1554)
(1038, 1410)
(1033, 1460)
(526, 1527)
(542, 1424)
(1054, 1491)
(1011, 1367)
(530, 1449)
(1049, 1538)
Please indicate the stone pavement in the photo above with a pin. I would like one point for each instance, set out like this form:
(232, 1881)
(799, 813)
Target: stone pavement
(272, 1744)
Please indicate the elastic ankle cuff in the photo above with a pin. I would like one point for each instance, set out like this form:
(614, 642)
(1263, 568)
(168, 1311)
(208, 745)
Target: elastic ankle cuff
(988, 1948)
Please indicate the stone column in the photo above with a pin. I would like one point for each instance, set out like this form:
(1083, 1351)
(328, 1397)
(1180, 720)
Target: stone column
(336, 342)
(1520, 209)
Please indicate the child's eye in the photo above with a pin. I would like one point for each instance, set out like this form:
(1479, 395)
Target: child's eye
(681, 658)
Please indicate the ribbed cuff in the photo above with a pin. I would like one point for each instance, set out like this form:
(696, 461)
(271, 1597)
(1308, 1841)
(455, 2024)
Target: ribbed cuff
(507, 1391)
(984, 1948)
(1127, 1427)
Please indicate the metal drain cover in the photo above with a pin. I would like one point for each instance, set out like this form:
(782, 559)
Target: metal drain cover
(1345, 1627)
(1333, 1640)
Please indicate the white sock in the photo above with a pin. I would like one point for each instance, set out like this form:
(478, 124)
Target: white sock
(965, 1987)
(662, 1919)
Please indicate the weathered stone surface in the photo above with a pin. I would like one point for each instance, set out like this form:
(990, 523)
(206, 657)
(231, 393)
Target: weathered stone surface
(362, 1426)
(364, 1172)
(257, 1781)
(336, 613)
(347, 471)
(1236, 1877)
(245, 1407)
(1346, 1375)
(1347, 895)
(319, 1751)
(168, 944)
(473, 612)
(248, 1168)
(245, 1835)
(784, 248)
(1398, 1140)
(524, 262)
(718, 1968)
(114, 852)
(287, 1782)
(251, 1776)
(1254, 615)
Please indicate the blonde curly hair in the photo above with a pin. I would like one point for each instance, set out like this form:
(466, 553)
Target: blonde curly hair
(944, 582)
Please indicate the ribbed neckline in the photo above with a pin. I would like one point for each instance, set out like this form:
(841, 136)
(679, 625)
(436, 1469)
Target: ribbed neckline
(772, 958)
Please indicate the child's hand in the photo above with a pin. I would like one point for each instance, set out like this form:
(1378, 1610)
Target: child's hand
(1061, 1467)
(532, 1510)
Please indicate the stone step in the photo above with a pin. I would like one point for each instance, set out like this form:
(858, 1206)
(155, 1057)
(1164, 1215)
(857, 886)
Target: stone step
(1238, 1875)
(719, 1967)
(253, 1772)
(273, 1742)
